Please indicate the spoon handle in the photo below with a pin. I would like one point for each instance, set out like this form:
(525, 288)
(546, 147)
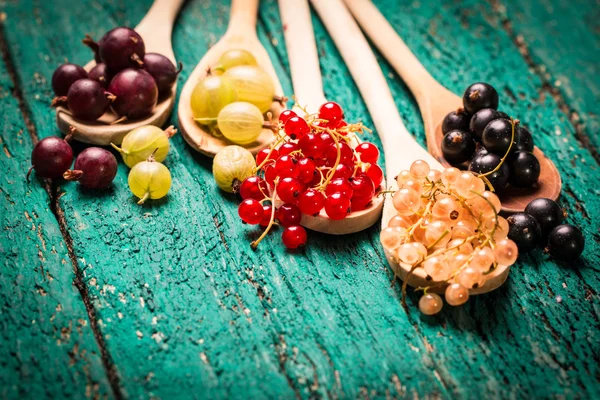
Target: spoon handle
(302, 53)
(242, 19)
(399, 146)
(157, 25)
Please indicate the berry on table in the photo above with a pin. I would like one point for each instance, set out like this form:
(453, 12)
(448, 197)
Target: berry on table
(51, 157)
(294, 237)
(547, 212)
(566, 242)
(251, 211)
(95, 168)
(524, 230)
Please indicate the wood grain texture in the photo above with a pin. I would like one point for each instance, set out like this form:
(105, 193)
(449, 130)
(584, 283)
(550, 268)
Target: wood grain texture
(47, 348)
(187, 308)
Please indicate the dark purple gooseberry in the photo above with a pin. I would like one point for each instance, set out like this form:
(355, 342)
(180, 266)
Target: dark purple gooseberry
(136, 93)
(100, 74)
(65, 76)
(87, 100)
(122, 48)
(95, 168)
(162, 70)
(51, 157)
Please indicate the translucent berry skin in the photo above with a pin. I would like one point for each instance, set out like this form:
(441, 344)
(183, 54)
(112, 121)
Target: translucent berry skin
(251, 211)
(289, 189)
(289, 214)
(479, 96)
(87, 100)
(311, 202)
(285, 115)
(264, 153)
(99, 167)
(162, 70)
(333, 113)
(136, 93)
(340, 185)
(101, 75)
(566, 242)
(64, 76)
(311, 145)
(363, 191)
(525, 231)
(368, 152)
(287, 148)
(294, 237)
(266, 218)
(296, 127)
(51, 157)
(376, 174)
(547, 212)
(496, 136)
(254, 187)
(346, 154)
(524, 169)
(487, 162)
(120, 47)
(524, 139)
(456, 120)
(307, 170)
(342, 171)
(286, 166)
(481, 119)
(337, 206)
(458, 147)
(430, 304)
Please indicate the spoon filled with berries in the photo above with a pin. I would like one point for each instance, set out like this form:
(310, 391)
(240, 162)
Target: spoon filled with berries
(468, 132)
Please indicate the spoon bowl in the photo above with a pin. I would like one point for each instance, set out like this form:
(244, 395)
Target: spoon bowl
(241, 34)
(155, 29)
(435, 101)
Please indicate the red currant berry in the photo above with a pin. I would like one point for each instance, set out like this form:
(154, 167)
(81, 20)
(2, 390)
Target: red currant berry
(251, 211)
(332, 112)
(287, 148)
(320, 162)
(326, 140)
(346, 154)
(342, 171)
(368, 152)
(286, 166)
(376, 174)
(289, 189)
(306, 170)
(270, 174)
(296, 128)
(364, 189)
(311, 145)
(254, 187)
(340, 185)
(289, 214)
(337, 206)
(264, 154)
(294, 237)
(266, 218)
(285, 115)
(311, 202)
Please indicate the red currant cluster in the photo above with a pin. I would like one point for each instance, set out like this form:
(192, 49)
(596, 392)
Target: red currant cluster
(316, 167)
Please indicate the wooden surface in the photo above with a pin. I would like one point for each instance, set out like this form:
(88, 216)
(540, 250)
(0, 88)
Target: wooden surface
(102, 298)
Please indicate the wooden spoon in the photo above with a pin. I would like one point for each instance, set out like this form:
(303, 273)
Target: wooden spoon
(400, 148)
(308, 88)
(241, 34)
(155, 29)
(435, 101)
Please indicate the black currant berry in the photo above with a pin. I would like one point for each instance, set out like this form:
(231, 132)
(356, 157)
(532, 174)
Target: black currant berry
(524, 140)
(479, 96)
(486, 162)
(524, 169)
(496, 136)
(524, 230)
(566, 242)
(547, 212)
(481, 119)
(458, 119)
(458, 147)
(503, 115)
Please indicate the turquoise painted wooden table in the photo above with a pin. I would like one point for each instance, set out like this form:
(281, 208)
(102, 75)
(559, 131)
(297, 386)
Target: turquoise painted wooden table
(100, 297)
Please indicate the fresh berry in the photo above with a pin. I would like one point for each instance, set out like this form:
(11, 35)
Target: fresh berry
(51, 157)
(375, 172)
(479, 96)
(287, 148)
(524, 230)
(524, 169)
(285, 115)
(296, 127)
(566, 242)
(66, 75)
(342, 171)
(251, 211)
(307, 170)
(363, 191)
(289, 214)
(267, 212)
(346, 154)
(524, 140)
(458, 147)
(287, 166)
(497, 135)
(262, 155)
(294, 237)
(289, 189)
(456, 120)
(337, 206)
(481, 119)
(95, 168)
(311, 202)
(254, 187)
(547, 212)
(332, 113)
(340, 185)
(486, 162)
(312, 145)
(368, 152)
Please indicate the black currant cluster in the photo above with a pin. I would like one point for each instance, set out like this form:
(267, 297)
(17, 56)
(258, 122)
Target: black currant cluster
(542, 222)
(125, 79)
(479, 136)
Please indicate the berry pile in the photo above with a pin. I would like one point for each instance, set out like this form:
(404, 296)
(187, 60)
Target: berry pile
(486, 140)
(448, 226)
(316, 167)
(542, 222)
(125, 78)
(96, 168)
(231, 100)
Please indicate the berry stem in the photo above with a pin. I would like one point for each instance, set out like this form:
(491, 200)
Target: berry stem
(170, 131)
(143, 199)
(255, 243)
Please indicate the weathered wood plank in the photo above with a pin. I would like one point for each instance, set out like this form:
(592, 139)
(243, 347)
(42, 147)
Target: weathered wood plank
(189, 308)
(562, 43)
(47, 347)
